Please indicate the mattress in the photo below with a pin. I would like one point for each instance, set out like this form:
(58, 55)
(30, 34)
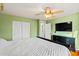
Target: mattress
(33, 47)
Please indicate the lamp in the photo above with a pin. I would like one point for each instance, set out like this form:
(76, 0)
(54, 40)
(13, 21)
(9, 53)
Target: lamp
(48, 15)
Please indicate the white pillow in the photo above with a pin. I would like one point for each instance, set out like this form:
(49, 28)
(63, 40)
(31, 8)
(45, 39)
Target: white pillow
(2, 41)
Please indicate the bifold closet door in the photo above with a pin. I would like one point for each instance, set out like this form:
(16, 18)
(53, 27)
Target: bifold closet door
(25, 30)
(21, 30)
(16, 30)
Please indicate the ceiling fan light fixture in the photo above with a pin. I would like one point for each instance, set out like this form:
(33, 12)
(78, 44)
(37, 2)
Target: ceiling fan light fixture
(48, 12)
(48, 15)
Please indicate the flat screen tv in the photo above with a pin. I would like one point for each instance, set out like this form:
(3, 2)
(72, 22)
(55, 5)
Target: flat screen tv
(66, 26)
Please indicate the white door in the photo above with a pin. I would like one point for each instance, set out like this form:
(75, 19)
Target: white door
(21, 30)
(16, 30)
(25, 30)
(41, 30)
(48, 31)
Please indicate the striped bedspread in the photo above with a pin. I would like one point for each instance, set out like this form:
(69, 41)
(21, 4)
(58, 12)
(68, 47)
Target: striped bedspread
(33, 47)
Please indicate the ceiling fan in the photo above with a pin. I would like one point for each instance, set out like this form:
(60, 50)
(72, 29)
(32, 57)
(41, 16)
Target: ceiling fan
(49, 12)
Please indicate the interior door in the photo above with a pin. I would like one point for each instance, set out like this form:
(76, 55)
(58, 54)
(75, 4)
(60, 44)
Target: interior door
(16, 30)
(41, 30)
(48, 31)
(25, 30)
(21, 30)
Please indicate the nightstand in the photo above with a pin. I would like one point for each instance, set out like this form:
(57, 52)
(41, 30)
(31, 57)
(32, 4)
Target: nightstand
(76, 53)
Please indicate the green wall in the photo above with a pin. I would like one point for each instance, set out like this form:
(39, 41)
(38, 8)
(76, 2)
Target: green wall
(73, 18)
(78, 33)
(6, 25)
(75, 25)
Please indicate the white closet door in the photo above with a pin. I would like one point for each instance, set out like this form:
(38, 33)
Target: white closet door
(21, 30)
(25, 30)
(48, 31)
(16, 30)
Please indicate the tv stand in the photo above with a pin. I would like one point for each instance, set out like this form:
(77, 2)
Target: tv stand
(69, 42)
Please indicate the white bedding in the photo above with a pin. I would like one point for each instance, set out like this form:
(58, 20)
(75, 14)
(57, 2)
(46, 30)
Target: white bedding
(33, 47)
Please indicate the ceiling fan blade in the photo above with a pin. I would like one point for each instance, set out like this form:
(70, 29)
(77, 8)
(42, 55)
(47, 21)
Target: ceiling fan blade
(57, 11)
(41, 13)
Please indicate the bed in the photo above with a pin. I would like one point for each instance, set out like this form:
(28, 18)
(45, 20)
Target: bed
(32, 47)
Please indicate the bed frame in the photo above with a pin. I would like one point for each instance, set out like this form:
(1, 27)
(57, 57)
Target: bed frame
(69, 42)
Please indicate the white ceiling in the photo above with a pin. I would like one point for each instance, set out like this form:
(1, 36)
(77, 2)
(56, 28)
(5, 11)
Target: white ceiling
(29, 10)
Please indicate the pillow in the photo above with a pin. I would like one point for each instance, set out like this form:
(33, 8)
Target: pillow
(2, 41)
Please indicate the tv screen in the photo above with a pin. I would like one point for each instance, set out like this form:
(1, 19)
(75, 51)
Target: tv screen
(66, 26)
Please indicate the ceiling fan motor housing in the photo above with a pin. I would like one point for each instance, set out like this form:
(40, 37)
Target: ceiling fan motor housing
(48, 11)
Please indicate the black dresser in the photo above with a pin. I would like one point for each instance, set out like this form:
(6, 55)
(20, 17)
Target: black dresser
(69, 42)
